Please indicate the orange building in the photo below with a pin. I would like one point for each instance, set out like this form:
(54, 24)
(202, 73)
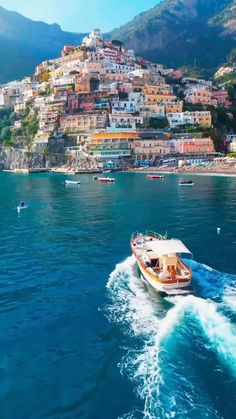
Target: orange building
(113, 145)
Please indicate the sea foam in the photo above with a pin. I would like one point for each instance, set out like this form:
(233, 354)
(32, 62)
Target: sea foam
(134, 308)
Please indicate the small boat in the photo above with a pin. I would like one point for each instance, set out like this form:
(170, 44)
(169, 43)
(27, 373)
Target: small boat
(106, 179)
(160, 263)
(72, 182)
(186, 183)
(106, 171)
(155, 177)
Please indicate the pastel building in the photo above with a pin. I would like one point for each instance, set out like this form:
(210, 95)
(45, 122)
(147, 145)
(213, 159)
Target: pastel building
(113, 145)
(194, 146)
(149, 149)
(231, 139)
(222, 98)
(127, 121)
(175, 106)
(199, 95)
(83, 122)
(202, 118)
(48, 119)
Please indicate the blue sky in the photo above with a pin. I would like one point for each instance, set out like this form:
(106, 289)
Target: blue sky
(81, 15)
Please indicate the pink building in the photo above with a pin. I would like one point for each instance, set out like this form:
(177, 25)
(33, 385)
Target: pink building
(72, 102)
(200, 96)
(222, 98)
(87, 106)
(177, 74)
(194, 146)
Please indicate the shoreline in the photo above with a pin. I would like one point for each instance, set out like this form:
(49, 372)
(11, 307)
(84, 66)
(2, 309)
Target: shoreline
(221, 174)
(151, 171)
(180, 172)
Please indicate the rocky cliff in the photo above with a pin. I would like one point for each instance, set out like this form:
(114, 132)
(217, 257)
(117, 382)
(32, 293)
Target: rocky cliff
(11, 159)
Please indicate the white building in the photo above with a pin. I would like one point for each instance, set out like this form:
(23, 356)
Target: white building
(129, 121)
(177, 119)
(124, 106)
(118, 68)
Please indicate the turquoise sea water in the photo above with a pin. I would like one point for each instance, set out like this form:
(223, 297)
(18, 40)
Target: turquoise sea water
(81, 335)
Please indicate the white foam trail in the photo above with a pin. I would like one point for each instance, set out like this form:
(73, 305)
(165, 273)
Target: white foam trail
(132, 306)
(230, 301)
(131, 303)
(217, 328)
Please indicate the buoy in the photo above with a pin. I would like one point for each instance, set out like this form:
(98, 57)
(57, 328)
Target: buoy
(218, 230)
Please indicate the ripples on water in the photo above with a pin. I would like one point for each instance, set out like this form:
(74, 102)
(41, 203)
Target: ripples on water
(77, 345)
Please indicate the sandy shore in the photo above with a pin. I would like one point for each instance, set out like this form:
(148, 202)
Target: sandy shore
(229, 172)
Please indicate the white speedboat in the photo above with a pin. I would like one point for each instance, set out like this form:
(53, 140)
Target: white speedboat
(72, 182)
(160, 262)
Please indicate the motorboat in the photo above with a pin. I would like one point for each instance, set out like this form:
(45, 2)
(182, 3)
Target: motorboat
(159, 261)
(106, 179)
(72, 182)
(186, 182)
(155, 177)
(106, 171)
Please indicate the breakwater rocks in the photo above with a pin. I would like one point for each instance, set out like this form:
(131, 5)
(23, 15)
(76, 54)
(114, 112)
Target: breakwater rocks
(11, 159)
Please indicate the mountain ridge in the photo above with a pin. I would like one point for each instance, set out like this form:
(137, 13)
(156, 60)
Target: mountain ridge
(24, 43)
(199, 33)
(187, 24)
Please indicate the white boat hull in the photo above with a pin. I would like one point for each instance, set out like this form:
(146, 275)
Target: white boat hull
(160, 263)
(180, 288)
(72, 182)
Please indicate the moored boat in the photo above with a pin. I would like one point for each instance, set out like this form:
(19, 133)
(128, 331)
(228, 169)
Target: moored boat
(72, 182)
(160, 262)
(155, 177)
(186, 182)
(106, 179)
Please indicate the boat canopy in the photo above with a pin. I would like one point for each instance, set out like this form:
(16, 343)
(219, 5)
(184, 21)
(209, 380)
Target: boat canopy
(166, 247)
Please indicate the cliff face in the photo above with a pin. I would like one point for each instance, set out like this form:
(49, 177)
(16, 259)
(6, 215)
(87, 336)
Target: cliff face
(11, 159)
(180, 32)
(25, 43)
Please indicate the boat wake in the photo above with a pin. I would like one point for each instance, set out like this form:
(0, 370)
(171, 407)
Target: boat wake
(157, 323)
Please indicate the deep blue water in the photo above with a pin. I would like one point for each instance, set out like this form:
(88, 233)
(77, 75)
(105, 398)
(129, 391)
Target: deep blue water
(81, 336)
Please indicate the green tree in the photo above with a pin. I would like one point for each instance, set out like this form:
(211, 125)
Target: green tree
(6, 134)
(158, 123)
(232, 57)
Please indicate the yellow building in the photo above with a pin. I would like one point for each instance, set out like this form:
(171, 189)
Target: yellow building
(19, 107)
(157, 89)
(203, 118)
(173, 106)
(58, 72)
(83, 122)
(152, 99)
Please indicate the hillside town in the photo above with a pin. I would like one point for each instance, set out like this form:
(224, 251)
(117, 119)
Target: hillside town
(99, 106)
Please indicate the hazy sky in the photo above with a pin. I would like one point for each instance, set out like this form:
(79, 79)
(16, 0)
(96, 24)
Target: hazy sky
(80, 15)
